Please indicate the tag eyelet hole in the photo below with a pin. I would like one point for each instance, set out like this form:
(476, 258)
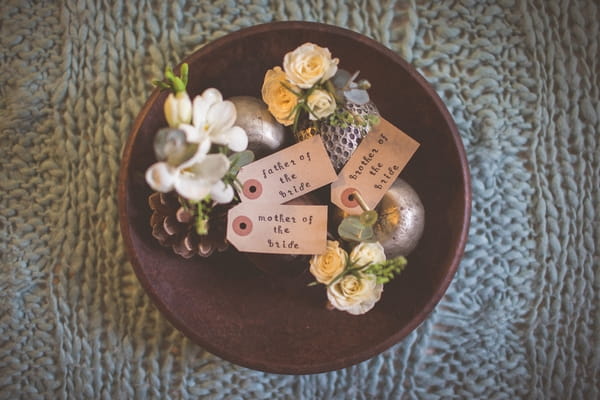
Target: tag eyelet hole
(252, 189)
(242, 225)
(348, 198)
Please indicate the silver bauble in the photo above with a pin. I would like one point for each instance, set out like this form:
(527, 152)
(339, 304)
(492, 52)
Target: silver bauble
(400, 221)
(341, 142)
(265, 134)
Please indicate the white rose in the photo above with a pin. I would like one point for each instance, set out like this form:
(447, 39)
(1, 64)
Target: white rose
(355, 295)
(330, 264)
(366, 253)
(321, 103)
(309, 64)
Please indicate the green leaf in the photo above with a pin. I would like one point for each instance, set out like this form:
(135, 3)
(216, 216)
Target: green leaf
(369, 218)
(173, 82)
(185, 71)
(203, 210)
(169, 74)
(387, 270)
(238, 160)
(351, 228)
(161, 85)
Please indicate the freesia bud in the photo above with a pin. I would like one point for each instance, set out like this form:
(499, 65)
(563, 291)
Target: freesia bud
(178, 109)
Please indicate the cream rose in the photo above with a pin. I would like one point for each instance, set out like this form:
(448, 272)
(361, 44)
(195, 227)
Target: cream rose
(321, 103)
(330, 264)
(355, 294)
(309, 64)
(280, 100)
(365, 253)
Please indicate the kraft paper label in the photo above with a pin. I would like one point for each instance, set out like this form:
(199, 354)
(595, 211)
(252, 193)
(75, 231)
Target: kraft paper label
(287, 174)
(373, 167)
(278, 229)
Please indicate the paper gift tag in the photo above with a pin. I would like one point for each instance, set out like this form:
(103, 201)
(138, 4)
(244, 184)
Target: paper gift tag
(278, 229)
(287, 174)
(373, 167)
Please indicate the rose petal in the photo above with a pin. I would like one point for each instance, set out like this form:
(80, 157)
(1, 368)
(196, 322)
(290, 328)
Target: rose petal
(365, 253)
(332, 69)
(361, 300)
(221, 192)
(161, 177)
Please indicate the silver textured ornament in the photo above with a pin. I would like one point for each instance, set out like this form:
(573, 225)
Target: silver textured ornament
(265, 134)
(341, 141)
(400, 219)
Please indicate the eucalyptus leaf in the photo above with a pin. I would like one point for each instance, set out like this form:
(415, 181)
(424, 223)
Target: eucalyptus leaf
(238, 160)
(351, 228)
(358, 96)
(369, 218)
(340, 78)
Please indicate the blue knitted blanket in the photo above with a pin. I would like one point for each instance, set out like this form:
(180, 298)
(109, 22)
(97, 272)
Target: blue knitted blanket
(521, 318)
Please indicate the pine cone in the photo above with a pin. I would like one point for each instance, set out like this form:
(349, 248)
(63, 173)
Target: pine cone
(173, 226)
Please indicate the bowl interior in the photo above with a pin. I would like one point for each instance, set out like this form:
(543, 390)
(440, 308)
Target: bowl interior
(275, 322)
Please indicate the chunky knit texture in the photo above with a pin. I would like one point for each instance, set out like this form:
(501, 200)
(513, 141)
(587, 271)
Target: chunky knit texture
(521, 318)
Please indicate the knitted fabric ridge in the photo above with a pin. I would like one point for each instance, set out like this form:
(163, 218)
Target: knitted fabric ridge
(521, 318)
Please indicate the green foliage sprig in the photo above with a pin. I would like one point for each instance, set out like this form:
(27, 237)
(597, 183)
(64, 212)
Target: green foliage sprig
(173, 82)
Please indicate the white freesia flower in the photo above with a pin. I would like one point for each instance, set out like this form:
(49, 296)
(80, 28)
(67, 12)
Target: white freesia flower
(222, 192)
(355, 294)
(321, 103)
(309, 64)
(178, 109)
(214, 118)
(194, 179)
(366, 253)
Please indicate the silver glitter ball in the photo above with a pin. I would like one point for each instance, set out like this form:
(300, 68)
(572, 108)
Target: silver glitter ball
(341, 142)
(265, 134)
(400, 220)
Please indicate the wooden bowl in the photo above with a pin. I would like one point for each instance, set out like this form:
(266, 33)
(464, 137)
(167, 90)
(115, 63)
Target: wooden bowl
(274, 322)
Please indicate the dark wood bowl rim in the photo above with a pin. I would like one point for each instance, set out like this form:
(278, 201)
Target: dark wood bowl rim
(377, 347)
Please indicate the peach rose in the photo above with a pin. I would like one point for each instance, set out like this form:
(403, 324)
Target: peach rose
(280, 100)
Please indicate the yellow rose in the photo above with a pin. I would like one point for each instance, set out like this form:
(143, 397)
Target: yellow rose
(355, 294)
(330, 264)
(280, 100)
(321, 103)
(365, 253)
(309, 64)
